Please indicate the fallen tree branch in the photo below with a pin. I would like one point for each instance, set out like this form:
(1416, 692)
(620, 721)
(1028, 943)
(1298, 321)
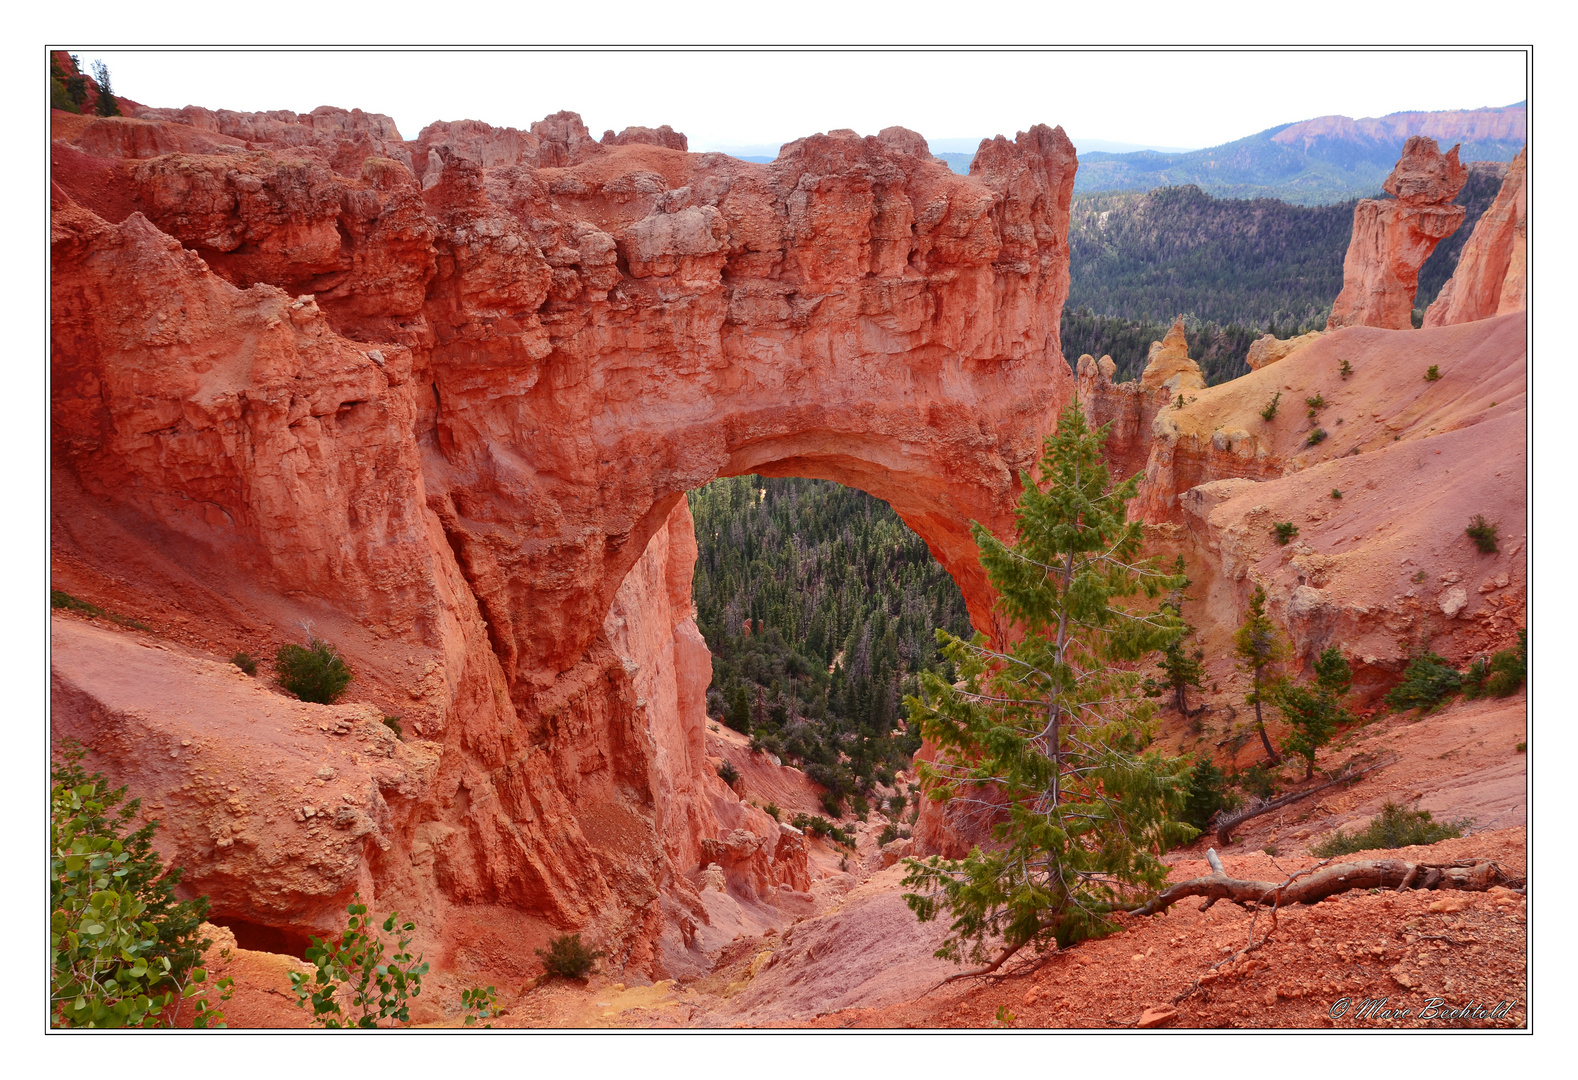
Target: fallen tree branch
(1472, 875)
(1226, 825)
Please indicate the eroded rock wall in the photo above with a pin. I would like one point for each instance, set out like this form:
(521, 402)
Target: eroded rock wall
(1492, 270)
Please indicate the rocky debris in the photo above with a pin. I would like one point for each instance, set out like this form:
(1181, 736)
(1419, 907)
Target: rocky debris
(1392, 238)
(1492, 269)
(1268, 348)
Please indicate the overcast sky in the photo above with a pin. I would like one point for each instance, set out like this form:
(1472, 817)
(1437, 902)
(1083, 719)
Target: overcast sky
(720, 100)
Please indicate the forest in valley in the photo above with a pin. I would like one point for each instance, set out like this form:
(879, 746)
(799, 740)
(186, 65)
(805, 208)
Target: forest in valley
(820, 607)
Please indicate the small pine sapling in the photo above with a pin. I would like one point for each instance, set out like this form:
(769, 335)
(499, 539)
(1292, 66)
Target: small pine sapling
(315, 673)
(1433, 374)
(1315, 711)
(1336, 494)
(1316, 437)
(1316, 404)
(1345, 369)
(1270, 411)
(1259, 649)
(567, 958)
(1181, 667)
(1284, 531)
(245, 662)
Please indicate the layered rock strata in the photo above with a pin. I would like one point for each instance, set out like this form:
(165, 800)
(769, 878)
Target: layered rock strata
(1492, 270)
(1392, 238)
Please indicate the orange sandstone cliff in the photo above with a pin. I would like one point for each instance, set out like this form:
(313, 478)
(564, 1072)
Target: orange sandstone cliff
(1492, 270)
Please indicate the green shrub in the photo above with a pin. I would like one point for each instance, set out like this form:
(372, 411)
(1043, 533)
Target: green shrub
(1483, 533)
(1258, 780)
(1316, 437)
(315, 673)
(1336, 494)
(1316, 404)
(1522, 748)
(1285, 531)
(773, 811)
(1208, 793)
(859, 806)
(1397, 826)
(1270, 411)
(1433, 374)
(896, 805)
(728, 773)
(123, 950)
(820, 826)
(353, 973)
(480, 1003)
(833, 804)
(890, 832)
(1344, 369)
(393, 724)
(568, 958)
(1427, 681)
(1501, 674)
(245, 662)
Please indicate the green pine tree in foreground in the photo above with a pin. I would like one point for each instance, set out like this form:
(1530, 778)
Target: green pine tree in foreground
(1049, 733)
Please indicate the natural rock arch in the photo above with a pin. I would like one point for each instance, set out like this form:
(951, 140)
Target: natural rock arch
(476, 434)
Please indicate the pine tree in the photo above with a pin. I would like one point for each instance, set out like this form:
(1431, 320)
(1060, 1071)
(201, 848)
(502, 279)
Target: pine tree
(1181, 667)
(1315, 711)
(1259, 648)
(1050, 732)
(105, 104)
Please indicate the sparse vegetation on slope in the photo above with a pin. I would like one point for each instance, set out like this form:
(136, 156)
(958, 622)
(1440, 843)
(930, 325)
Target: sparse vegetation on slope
(1396, 826)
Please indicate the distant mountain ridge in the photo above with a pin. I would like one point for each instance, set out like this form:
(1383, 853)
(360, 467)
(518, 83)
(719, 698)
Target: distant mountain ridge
(1315, 162)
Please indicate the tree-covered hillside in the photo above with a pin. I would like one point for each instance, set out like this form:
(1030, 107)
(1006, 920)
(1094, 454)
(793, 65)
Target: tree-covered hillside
(819, 606)
(1234, 268)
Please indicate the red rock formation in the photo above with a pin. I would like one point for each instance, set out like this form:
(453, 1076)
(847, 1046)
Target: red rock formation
(462, 415)
(662, 135)
(1393, 238)
(1492, 270)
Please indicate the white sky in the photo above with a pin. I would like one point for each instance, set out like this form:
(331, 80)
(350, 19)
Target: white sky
(1173, 98)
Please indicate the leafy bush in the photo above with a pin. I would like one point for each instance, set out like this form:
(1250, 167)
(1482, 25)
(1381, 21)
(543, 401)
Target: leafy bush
(123, 950)
(832, 803)
(1501, 674)
(1336, 494)
(568, 958)
(1344, 369)
(245, 662)
(1483, 533)
(315, 673)
(1397, 826)
(1316, 404)
(728, 773)
(352, 972)
(393, 724)
(1208, 793)
(480, 1003)
(1427, 681)
(1270, 411)
(1285, 531)
(1316, 437)
(1433, 374)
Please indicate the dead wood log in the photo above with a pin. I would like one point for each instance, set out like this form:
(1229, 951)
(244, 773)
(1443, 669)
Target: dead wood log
(1471, 875)
(1226, 825)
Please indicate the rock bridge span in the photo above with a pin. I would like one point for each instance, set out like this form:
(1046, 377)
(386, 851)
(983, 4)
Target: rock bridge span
(444, 397)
